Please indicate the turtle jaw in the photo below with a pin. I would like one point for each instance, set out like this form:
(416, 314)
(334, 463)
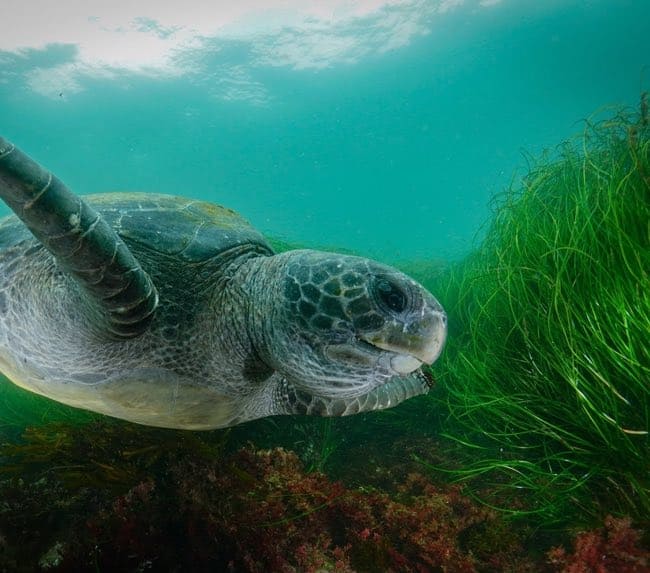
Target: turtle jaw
(372, 354)
(405, 363)
(414, 345)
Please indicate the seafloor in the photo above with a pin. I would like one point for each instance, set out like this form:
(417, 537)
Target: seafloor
(110, 496)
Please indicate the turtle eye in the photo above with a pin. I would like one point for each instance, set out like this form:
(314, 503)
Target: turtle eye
(390, 295)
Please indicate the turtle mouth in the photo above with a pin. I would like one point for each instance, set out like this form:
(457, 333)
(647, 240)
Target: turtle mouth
(411, 345)
(400, 362)
(405, 363)
(365, 354)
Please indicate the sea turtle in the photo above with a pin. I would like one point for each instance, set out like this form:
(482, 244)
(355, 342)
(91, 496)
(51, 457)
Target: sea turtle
(177, 313)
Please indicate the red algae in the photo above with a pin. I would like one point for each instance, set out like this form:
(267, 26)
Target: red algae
(614, 548)
(172, 502)
(253, 511)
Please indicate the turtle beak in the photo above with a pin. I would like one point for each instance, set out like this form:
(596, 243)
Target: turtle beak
(416, 340)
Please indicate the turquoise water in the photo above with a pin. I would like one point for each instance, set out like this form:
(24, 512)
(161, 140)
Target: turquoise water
(384, 127)
(381, 127)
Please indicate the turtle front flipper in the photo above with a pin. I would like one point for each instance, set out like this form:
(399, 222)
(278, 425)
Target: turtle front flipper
(289, 399)
(82, 242)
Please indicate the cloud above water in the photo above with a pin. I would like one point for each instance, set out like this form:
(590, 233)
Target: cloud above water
(174, 39)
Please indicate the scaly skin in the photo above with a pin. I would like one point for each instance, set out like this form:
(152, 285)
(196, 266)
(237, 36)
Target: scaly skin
(226, 345)
(171, 312)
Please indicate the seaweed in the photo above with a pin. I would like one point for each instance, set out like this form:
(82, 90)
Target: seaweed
(104, 453)
(20, 408)
(545, 378)
(613, 547)
(170, 503)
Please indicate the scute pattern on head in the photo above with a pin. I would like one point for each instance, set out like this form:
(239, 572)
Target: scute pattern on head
(325, 293)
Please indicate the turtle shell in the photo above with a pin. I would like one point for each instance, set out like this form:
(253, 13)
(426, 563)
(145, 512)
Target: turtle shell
(177, 226)
(190, 229)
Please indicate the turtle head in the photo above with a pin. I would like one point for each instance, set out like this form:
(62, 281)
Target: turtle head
(345, 326)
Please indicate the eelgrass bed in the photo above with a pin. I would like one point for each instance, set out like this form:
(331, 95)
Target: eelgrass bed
(547, 374)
